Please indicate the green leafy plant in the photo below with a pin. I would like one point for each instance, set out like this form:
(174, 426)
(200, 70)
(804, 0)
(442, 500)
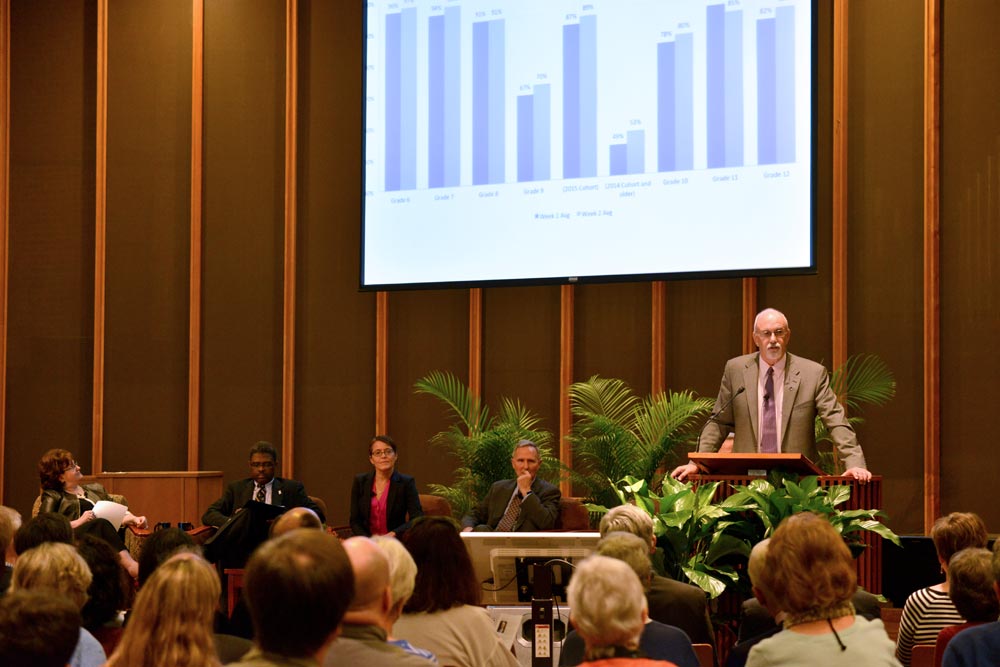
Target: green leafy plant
(482, 443)
(617, 434)
(864, 379)
(707, 543)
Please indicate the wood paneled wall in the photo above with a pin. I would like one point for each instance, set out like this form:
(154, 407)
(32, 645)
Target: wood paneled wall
(230, 176)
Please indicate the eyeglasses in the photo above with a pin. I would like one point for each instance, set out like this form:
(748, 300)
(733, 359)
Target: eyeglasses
(73, 465)
(777, 333)
(382, 453)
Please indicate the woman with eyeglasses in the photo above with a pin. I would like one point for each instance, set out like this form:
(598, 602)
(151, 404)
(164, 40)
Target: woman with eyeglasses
(62, 493)
(383, 500)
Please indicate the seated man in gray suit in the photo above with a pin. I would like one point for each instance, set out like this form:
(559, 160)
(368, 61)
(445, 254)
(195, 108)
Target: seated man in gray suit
(522, 504)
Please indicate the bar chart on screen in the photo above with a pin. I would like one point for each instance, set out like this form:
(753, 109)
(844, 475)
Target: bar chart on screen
(688, 105)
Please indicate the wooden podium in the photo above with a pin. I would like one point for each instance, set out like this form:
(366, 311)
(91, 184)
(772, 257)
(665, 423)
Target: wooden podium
(735, 469)
(172, 496)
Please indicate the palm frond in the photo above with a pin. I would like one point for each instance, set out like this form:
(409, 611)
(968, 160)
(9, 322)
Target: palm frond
(864, 378)
(608, 397)
(462, 402)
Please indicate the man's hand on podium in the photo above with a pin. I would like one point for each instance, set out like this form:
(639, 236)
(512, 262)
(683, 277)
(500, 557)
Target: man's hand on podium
(681, 472)
(859, 474)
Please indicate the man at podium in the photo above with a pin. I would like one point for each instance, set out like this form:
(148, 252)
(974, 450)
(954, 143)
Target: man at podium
(771, 398)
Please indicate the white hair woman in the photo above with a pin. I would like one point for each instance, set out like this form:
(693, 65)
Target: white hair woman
(402, 578)
(608, 610)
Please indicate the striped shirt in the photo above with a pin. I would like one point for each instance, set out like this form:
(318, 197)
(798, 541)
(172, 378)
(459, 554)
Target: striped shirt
(925, 614)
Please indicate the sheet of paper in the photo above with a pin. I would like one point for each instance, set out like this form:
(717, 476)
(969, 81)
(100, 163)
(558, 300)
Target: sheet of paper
(113, 512)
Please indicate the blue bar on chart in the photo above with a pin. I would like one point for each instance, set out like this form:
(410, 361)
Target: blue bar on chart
(725, 87)
(635, 143)
(401, 100)
(675, 103)
(533, 134)
(618, 157)
(580, 98)
(776, 87)
(443, 83)
(487, 102)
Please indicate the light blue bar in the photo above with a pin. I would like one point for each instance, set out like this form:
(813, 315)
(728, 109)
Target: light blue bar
(618, 158)
(496, 102)
(571, 100)
(784, 108)
(525, 138)
(480, 102)
(435, 101)
(588, 95)
(684, 101)
(452, 95)
(408, 100)
(392, 109)
(734, 88)
(635, 142)
(716, 88)
(666, 121)
(766, 138)
(541, 115)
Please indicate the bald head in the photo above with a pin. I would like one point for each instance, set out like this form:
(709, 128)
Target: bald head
(297, 517)
(371, 573)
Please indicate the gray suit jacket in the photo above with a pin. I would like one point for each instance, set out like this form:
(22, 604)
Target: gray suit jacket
(539, 510)
(807, 393)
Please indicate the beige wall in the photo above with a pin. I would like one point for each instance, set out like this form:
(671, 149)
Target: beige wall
(51, 294)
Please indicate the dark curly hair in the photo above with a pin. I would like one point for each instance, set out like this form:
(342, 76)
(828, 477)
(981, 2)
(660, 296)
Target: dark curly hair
(107, 593)
(53, 464)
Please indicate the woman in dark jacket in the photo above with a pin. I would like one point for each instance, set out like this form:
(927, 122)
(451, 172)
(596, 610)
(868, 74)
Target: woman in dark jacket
(383, 500)
(62, 493)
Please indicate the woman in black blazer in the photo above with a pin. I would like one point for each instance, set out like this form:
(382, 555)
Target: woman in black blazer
(383, 500)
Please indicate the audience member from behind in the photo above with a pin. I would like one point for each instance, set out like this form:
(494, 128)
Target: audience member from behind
(443, 615)
(41, 528)
(297, 517)
(755, 569)
(670, 602)
(63, 493)
(608, 610)
(171, 622)
(366, 624)
(10, 521)
(658, 641)
(298, 587)
(973, 590)
(108, 592)
(55, 567)
(383, 500)
(37, 629)
(929, 610)
(402, 577)
(159, 547)
(811, 575)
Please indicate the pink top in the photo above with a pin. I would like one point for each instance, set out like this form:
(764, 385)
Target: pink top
(376, 520)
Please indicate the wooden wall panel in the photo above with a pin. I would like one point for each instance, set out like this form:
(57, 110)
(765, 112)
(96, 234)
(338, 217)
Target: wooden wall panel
(704, 323)
(884, 244)
(521, 350)
(614, 333)
(243, 216)
(148, 208)
(335, 348)
(427, 331)
(51, 260)
(970, 255)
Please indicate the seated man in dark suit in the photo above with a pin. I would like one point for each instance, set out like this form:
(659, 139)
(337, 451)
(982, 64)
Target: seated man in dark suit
(523, 504)
(261, 486)
(264, 496)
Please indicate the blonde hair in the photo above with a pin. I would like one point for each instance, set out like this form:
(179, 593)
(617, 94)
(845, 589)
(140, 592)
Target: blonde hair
(171, 621)
(607, 601)
(53, 566)
(628, 519)
(402, 569)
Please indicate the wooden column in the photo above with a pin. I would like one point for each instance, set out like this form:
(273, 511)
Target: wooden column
(291, 230)
(932, 263)
(4, 218)
(476, 341)
(658, 354)
(839, 259)
(100, 233)
(194, 280)
(566, 325)
(749, 313)
(381, 362)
